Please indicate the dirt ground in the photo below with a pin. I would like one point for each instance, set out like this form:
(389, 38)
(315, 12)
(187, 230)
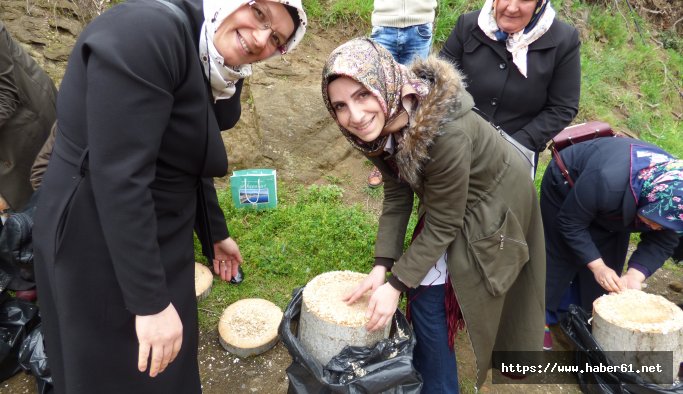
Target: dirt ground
(284, 125)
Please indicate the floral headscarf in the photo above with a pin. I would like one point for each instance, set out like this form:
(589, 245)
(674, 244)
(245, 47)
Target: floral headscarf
(370, 64)
(660, 198)
(517, 43)
(221, 76)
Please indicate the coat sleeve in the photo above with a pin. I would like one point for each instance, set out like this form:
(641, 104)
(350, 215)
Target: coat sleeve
(397, 207)
(133, 66)
(581, 207)
(9, 93)
(562, 103)
(43, 158)
(445, 190)
(653, 249)
(453, 48)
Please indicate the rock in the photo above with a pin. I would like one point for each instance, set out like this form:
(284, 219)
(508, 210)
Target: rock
(676, 286)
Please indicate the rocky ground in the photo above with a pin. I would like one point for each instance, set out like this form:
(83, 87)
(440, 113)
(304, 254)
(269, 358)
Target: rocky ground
(284, 125)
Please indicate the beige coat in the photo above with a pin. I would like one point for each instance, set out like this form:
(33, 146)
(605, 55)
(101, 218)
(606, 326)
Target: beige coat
(480, 206)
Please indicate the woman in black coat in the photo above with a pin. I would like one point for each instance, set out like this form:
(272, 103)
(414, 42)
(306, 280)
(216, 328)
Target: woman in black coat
(522, 66)
(145, 95)
(622, 186)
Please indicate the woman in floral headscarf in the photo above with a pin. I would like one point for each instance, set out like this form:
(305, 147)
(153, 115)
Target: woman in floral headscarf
(476, 257)
(522, 66)
(149, 87)
(621, 186)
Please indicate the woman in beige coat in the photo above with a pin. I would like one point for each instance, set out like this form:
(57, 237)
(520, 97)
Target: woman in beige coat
(477, 256)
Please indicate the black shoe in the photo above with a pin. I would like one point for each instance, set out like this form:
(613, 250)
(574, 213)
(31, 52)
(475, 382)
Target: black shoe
(236, 280)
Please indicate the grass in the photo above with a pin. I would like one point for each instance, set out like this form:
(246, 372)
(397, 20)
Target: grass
(310, 232)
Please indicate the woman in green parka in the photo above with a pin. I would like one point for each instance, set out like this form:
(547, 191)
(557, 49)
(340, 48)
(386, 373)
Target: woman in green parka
(477, 256)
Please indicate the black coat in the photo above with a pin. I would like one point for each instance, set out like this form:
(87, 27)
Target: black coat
(532, 109)
(594, 219)
(113, 230)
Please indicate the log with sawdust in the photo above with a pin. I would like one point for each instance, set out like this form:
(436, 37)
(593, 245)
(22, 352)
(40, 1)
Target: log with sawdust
(249, 326)
(203, 279)
(327, 324)
(631, 321)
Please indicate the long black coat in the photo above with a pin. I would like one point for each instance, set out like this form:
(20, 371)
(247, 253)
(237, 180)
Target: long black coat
(113, 230)
(594, 219)
(533, 109)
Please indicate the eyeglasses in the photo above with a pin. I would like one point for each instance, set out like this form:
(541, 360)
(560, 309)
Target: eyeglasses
(262, 15)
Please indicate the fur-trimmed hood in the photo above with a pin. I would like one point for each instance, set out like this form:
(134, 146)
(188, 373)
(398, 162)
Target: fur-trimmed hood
(447, 100)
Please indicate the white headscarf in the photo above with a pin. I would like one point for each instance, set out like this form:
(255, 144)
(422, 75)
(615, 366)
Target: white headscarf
(221, 76)
(517, 43)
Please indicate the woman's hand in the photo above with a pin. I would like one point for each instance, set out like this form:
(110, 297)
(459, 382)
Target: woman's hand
(227, 258)
(161, 336)
(633, 279)
(375, 279)
(605, 276)
(382, 306)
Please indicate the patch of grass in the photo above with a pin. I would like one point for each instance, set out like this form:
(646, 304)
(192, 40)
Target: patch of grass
(310, 232)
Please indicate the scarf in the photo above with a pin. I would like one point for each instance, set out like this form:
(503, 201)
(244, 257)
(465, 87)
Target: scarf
(221, 76)
(657, 185)
(370, 64)
(518, 43)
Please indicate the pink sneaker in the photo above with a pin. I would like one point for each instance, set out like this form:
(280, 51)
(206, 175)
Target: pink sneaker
(547, 339)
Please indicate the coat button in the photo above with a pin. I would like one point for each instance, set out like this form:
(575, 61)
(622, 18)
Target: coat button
(494, 101)
(502, 66)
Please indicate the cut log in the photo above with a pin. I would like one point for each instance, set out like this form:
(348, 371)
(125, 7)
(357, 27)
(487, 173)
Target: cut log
(249, 327)
(203, 279)
(632, 321)
(327, 324)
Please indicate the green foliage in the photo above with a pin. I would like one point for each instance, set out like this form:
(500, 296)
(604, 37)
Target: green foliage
(351, 13)
(447, 13)
(310, 232)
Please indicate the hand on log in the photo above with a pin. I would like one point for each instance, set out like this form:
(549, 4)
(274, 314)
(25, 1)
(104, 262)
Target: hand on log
(633, 279)
(375, 279)
(606, 277)
(382, 306)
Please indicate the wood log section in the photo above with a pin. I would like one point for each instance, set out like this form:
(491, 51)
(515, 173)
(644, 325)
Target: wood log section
(249, 326)
(327, 324)
(203, 279)
(637, 321)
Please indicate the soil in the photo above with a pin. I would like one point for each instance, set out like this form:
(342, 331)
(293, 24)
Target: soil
(284, 125)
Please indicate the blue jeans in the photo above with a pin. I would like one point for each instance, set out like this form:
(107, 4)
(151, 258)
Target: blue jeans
(432, 357)
(404, 43)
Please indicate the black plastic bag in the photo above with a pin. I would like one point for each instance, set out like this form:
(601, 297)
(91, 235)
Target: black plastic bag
(386, 367)
(16, 247)
(17, 319)
(33, 359)
(576, 327)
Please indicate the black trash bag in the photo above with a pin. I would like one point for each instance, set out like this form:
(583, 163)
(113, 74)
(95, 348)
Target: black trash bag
(386, 367)
(17, 319)
(576, 327)
(16, 247)
(32, 358)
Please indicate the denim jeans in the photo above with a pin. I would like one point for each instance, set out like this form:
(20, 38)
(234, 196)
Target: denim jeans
(404, 43)
(432, 357)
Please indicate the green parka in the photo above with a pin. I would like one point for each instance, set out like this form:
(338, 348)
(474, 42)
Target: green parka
(479, 205)
(27, 111)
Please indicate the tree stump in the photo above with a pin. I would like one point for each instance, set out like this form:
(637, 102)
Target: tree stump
(203, 279)
(327, 324)
(633, 321)
(248, 327)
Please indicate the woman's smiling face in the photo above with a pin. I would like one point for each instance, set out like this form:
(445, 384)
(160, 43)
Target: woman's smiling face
(513, 15)
(253, 32)
(357, 110)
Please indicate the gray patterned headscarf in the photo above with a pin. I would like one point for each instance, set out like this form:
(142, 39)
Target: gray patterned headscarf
(370, 64)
